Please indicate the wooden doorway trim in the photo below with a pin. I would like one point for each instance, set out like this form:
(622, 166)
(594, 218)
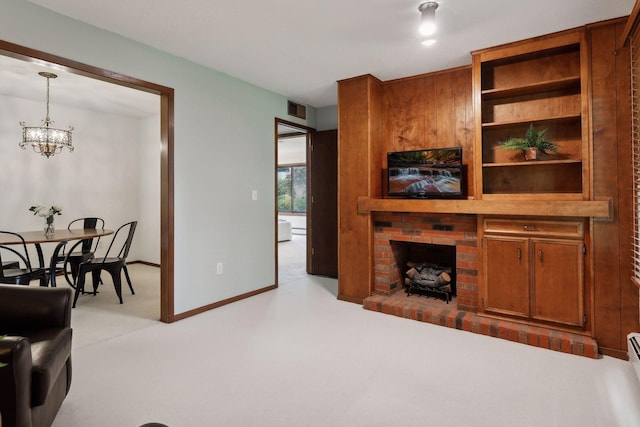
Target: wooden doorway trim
(166, 94)
(303, 130)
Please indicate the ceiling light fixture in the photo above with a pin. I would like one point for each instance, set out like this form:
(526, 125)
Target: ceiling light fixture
(428, 21)
(45, 139)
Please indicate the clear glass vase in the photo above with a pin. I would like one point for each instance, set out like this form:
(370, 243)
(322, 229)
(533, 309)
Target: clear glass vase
(49, 227)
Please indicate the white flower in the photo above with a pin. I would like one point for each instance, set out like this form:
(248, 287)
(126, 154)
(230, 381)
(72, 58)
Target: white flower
(44, 212)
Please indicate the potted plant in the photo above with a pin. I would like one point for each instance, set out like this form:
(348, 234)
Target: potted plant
(532, 144)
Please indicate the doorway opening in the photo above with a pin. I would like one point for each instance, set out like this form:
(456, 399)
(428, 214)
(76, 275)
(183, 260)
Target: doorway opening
(166, 97)
(291, 202)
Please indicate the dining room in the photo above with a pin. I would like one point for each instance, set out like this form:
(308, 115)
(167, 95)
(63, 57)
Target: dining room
(113, 171)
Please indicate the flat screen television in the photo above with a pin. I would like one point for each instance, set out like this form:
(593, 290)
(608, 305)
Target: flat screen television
(435, 173)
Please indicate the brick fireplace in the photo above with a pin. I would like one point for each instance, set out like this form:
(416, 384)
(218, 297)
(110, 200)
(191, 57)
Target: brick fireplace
(395, 232)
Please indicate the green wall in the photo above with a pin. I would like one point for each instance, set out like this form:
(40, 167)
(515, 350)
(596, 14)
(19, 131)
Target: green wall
(224, 149)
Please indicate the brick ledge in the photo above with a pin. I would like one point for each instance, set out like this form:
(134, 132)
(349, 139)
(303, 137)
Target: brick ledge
(436, 312)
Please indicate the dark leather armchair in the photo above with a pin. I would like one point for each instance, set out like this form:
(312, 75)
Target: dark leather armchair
(37, 354)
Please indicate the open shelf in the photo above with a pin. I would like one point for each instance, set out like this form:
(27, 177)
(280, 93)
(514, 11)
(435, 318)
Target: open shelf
(527, 121)
(545, 86)
(532, 163)
(538, 83)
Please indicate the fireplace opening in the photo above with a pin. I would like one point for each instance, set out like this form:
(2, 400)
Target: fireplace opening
(426, 269)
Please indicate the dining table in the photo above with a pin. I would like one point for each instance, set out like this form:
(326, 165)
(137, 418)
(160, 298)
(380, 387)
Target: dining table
(37, 238)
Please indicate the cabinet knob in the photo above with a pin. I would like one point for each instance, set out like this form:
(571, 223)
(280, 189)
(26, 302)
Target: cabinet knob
(530, 228)
(540, 255)
(519, 254)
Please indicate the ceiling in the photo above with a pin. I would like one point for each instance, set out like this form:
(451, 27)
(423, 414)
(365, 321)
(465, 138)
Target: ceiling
(20, 79)
(300, 48)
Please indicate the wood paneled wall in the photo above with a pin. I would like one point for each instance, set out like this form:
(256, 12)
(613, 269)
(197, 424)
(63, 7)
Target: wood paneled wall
(430, 110)
(358, 175)
(615, 297)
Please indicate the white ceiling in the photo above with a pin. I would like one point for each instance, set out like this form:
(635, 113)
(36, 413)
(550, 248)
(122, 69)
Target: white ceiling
(20, 79)
(300, 48)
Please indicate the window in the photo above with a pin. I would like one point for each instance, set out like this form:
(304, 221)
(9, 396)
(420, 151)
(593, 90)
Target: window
(635, 117)
(292, 189)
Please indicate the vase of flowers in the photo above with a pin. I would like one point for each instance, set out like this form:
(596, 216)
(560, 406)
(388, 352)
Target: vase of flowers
(48, 214)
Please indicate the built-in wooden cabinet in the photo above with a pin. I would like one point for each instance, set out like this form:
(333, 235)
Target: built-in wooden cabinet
(575, 83)
(534, 270)
(541, 82)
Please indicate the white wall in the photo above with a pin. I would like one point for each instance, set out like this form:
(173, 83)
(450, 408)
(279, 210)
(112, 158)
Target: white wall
(103, 167)
(292, 150)
(327, 118)
(147, 236)
(223, 150)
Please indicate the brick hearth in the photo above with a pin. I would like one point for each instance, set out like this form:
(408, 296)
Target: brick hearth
(459, 231)
(439, 313)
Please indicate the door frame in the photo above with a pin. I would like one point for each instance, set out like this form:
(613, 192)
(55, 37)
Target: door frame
(303, 129)
(166, 94)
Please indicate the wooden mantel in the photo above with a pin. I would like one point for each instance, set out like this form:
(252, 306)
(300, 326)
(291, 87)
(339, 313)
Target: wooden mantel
(601, 209)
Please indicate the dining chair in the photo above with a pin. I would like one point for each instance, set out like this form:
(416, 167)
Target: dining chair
(113, 262)
(10, 264)
(83, 249)
(19, 254)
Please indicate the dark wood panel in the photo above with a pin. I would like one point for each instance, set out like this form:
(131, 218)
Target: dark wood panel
(605, 242)
(354, 177)
(629, 292)
(524, 108)
(523, 206)
(564, 63)
(506, 275)
(541, 178)
(464, 135)
(323, 209)
(558, 281)
(430, 110)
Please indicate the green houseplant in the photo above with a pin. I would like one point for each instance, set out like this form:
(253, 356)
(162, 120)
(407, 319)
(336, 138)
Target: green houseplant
(532, 144)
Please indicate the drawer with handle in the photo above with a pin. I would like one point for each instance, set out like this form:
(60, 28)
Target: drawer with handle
(534, 227)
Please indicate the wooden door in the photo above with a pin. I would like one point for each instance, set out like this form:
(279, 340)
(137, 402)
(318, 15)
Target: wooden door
(322, 218)
(558, 281)
(506, 275)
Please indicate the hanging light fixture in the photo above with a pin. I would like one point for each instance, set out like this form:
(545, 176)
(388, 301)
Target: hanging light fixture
(428, 21)
(45, 139)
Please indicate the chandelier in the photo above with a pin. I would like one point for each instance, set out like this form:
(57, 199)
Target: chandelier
(45, 139)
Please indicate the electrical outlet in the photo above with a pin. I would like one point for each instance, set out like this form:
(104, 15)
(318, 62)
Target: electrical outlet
(254, 195)
(219, 268)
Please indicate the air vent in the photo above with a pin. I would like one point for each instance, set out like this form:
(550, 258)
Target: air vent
(297, 110)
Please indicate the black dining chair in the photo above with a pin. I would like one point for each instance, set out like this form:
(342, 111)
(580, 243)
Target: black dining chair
(10, 264)
(19, 254)
(113, 262)
(81, 250)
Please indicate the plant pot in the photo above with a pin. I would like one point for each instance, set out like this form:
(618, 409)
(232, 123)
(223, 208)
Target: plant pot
(531, 154)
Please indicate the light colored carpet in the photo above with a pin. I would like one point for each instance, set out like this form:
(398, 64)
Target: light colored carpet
(101, 317)
(292, 259)
(296, 356)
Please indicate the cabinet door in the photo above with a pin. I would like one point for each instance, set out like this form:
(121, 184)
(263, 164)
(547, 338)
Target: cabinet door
(506, 275)
(558, 276)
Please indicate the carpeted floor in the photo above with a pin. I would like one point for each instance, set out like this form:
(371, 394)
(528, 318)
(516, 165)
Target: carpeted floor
(297, 356)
